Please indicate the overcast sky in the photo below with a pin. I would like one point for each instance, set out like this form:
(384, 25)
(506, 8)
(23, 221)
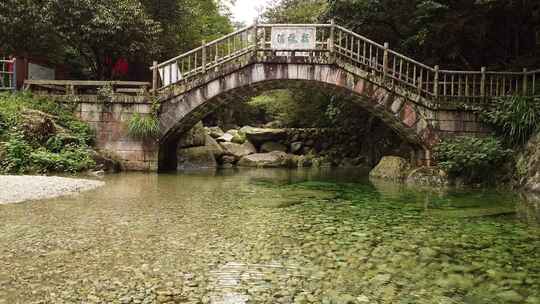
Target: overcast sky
(247, 10)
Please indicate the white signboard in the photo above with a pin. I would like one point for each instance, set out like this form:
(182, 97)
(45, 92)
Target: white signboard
(39, 72)
(294, 38)
(170, 74)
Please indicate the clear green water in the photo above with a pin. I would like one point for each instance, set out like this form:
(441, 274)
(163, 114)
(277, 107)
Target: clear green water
(268, 236)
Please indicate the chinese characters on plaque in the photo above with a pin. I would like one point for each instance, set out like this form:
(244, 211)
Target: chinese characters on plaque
(294, 38)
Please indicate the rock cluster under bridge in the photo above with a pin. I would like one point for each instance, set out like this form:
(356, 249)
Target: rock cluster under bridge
(212, 147)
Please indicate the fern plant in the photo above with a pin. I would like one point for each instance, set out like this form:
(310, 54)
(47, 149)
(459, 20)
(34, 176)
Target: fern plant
(514, 118)
(143, 126)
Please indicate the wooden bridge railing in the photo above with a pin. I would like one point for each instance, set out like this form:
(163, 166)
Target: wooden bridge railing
(8, 76)
(383, 65)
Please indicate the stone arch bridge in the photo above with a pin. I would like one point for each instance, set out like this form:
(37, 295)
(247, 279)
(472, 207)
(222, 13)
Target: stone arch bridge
(422, 104)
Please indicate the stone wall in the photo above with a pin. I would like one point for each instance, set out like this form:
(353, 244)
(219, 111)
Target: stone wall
(459, 122)
(110, 122)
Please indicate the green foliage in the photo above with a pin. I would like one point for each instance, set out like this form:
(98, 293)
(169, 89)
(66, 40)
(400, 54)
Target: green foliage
(514, 118)
(97, 29)
(17, 151)
(88, 30)
(186, 23)
(471, 157)
(301, 108)
(143, 126)
(105, 93)
(67, 150)
(295, 11)
(27, 29)
(85, 34)
(70, 159)
(451, 33)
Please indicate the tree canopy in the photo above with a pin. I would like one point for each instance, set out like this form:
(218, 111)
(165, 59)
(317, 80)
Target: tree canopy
(90, 34)
(457, 34)
(295, 11)
(462, 34)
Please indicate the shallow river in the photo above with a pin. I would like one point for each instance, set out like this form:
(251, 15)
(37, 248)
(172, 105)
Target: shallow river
(268, 236)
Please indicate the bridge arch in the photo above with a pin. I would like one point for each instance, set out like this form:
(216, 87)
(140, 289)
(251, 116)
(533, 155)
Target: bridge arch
(182, 108)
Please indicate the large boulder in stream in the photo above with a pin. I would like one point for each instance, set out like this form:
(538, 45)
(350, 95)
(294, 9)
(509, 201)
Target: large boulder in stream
(195, 137)
(238, 150)
(259, 135)
(265, 160)
(202, 157)
(104, 161)
(214, 146)
(196, 158)
(273, 146)
(392, 168)
(215, 132)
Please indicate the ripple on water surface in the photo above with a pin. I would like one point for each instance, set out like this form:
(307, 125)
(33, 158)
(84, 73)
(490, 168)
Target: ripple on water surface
(268, 236)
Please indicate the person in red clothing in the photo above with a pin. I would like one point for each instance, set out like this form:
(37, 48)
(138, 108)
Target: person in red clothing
(120, 69)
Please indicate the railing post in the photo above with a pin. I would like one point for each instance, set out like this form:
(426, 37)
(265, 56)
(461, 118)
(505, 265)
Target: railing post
(525, 86)
(255, 38)
(332, 37)
(436, 82)
(155, 72)
(483, 82)
(14, 75)
(385, 60)
(203, 56)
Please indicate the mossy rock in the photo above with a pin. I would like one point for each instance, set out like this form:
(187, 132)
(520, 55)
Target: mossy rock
(428, 176)
(261, 135)
(392, 168)
(238, 150)
(195, 137)
(196, 158)
(106, 161)
(239, 138)
(272, 146)
(215, 132)
(265, 160)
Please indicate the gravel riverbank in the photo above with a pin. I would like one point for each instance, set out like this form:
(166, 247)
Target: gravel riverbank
(16, 189)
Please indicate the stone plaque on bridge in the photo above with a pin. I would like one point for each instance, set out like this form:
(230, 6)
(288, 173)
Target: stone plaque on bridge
(294, 38)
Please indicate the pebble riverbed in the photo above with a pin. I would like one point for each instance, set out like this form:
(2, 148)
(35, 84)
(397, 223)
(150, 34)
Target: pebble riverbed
(20, 188)
(270, 236)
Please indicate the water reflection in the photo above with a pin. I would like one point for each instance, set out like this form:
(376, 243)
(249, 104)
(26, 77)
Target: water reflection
(528, 208)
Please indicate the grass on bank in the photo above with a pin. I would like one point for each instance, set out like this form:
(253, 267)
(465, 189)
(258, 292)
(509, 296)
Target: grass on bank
(143, 126)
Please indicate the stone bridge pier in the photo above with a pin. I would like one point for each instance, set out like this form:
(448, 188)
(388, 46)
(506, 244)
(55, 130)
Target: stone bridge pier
(110, 121)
